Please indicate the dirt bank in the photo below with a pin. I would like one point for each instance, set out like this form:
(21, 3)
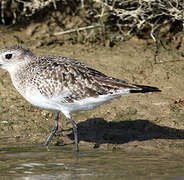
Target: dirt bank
(153, 121)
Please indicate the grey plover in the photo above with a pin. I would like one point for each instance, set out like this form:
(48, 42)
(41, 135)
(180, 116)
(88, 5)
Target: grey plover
(62, 84)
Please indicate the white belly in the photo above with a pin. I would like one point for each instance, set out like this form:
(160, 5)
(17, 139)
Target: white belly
(57, 103)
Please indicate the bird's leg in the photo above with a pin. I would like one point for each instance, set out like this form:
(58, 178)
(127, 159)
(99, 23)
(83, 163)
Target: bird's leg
(74, 126)
(55, 128)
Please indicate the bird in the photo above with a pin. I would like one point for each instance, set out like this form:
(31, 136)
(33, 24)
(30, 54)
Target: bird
(62, 84)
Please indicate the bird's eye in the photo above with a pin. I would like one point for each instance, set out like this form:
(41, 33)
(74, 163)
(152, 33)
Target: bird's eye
(8, 56)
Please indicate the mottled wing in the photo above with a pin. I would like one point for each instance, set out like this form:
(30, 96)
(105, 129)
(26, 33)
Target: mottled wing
(68, 80)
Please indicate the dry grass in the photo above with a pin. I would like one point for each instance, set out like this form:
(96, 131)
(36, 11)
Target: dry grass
(125, 18)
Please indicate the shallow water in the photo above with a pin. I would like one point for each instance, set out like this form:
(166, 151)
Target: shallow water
(23, 162)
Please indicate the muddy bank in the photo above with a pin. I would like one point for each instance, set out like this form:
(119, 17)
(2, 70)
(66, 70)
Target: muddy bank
(153, 121)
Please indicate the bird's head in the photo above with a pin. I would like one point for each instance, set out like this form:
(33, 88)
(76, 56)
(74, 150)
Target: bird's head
(13, 56)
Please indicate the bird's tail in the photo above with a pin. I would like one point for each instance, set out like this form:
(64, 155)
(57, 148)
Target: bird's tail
(144, 89)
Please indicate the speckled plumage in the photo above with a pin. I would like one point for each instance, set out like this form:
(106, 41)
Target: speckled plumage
(51, 74)
(61, 84)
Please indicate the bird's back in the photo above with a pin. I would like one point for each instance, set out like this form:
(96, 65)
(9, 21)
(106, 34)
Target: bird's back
(54, 75)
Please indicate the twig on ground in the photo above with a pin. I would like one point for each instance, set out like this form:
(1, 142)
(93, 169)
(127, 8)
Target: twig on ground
(78, 29)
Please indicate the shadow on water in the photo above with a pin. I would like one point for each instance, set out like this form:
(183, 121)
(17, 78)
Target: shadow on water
(99, 131)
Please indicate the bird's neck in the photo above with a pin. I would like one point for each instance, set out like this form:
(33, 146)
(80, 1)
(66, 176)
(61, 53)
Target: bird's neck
(20, 74)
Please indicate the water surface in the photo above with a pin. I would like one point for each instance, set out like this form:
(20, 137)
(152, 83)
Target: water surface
(23, 162)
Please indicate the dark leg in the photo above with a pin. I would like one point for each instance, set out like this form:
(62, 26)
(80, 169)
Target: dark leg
(74, 125)
(53, 130)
